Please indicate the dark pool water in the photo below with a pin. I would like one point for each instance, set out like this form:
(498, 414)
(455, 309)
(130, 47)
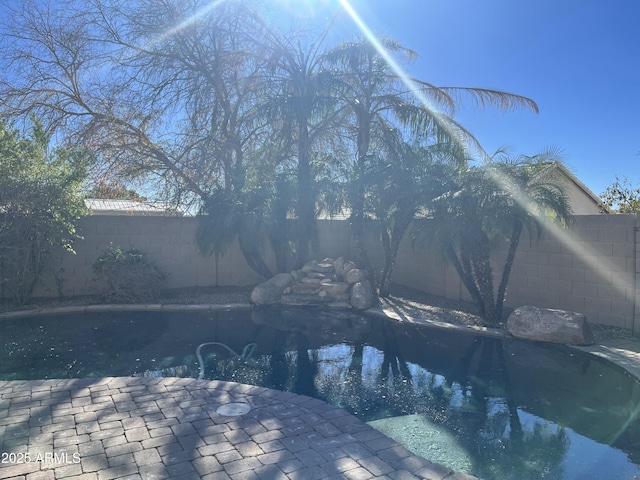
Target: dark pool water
(499, 409)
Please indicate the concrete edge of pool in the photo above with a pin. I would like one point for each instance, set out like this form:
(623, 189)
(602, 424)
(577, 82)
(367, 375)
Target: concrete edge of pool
(137, 428)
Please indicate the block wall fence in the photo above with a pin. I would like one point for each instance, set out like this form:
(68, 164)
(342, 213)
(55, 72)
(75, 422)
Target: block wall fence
(592, 267)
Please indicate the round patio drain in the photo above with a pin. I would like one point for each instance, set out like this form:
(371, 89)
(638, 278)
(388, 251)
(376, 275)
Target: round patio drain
(233, 409)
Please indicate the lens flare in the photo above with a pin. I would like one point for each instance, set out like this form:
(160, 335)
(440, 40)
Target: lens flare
(192, 19)
(442, 120)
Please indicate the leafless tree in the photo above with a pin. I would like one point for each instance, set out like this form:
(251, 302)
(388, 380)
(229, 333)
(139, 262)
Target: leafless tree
(161, 89)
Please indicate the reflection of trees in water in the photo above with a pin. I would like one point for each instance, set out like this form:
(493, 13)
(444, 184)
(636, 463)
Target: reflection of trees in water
(473, 404)
(305, 367)
(387, 393)
(482, 414)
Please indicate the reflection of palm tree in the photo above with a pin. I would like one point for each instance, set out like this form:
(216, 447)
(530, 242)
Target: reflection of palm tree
(400, 394)
(306, 369)
(499, 433)
(279, 368)
(354, 394)
(537, 454)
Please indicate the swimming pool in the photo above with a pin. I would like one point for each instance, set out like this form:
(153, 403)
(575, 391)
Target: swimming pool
(494, 408)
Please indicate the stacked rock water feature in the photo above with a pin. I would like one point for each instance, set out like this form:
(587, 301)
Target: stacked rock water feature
(332, 283)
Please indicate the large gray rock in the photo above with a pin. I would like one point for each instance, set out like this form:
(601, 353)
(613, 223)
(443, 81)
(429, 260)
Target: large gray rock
(548, 325)
(266, 293)
(361, 296)
(310, 266)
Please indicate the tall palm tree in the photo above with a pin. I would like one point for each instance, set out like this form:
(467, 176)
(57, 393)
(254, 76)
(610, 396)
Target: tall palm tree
(300, 108)
(486, 206)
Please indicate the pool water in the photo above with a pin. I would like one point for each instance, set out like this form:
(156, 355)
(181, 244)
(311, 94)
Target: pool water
(498, 409)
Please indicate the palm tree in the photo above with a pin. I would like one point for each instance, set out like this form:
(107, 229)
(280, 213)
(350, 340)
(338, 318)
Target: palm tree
(224, 217)
(488, 205)
(399, 184)
(377, 99)
(300, 108)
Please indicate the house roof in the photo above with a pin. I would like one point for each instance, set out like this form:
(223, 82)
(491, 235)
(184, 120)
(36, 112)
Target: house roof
(557, 167)
(100, 206)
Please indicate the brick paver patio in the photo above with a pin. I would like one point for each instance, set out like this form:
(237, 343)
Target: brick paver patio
(145, 429)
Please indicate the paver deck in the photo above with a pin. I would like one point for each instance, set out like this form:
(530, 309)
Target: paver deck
(155, 428)
(625, 353)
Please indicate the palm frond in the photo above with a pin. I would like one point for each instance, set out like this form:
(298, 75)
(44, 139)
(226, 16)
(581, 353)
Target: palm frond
(486, 97)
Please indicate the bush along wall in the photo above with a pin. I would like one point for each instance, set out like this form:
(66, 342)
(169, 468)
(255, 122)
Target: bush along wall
(129, 276)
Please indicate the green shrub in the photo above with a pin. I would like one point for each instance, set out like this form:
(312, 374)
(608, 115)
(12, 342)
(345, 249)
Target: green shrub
(40, 205)
(129, 275)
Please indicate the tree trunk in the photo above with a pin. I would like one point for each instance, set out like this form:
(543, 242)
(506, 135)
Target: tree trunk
(516, 231)
(483, 276)
(463, 267)
(358, 230)
(253, 258)
(397, 234)
(306, 204)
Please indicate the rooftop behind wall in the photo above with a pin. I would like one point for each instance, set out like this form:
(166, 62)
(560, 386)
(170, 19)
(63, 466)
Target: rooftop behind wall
(590, 268)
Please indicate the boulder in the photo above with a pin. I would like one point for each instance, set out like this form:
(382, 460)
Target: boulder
(282, 280)
(325, 267)
(355, 275)
(361, 296)
(348, 266)
(549, 325)
(306, 288)
(266, 293)
(309, 266)
(335, 288)
(311, 280)
(316, 275)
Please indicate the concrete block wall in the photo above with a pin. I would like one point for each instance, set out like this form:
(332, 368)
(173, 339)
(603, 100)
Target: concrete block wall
(592, 268)
(169, 242)
(589, 268)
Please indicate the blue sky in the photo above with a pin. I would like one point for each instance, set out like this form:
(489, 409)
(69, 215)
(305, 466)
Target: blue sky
(579, 59)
